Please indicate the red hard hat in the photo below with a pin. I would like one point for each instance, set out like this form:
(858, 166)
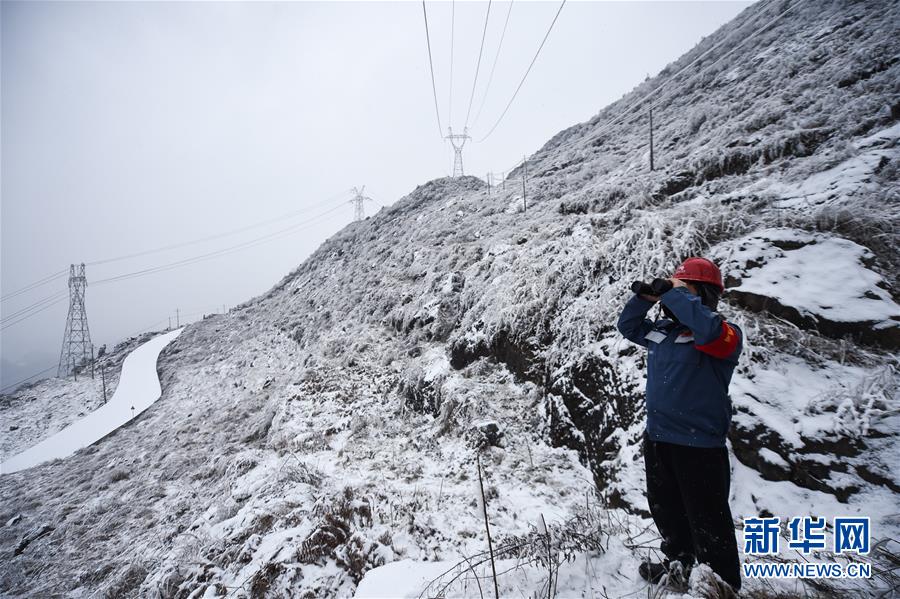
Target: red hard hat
(700, 270)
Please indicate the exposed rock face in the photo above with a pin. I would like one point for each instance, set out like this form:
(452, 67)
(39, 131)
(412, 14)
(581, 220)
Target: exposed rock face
(867, 332)
(592, 396)
(816, 281)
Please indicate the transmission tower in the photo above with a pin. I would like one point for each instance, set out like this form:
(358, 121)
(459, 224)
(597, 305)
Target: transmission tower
(76, 346)
(357, 201)
(458, 140)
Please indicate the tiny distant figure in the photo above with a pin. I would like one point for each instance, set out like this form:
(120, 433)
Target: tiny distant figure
(692, 354)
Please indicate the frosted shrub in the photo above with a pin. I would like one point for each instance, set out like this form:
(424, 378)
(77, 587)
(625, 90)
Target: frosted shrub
(337, 536)
(118, 474)
(420, 393)
(763, 117)
(858, 406)
(126, 581)
(696, 118)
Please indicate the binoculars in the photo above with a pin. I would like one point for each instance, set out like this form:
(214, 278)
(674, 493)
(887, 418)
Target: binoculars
(657, 287)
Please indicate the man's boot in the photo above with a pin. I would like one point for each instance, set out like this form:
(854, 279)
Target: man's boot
(678, 576)
(672, 573)
(652, 572)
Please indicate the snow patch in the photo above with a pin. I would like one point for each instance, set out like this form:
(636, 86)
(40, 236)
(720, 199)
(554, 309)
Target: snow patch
(817, 274)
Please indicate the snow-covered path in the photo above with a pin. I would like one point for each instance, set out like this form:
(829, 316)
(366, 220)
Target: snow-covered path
(138, 389)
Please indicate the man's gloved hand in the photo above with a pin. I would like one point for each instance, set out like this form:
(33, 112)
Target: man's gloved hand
(660, 286)
(641, 288)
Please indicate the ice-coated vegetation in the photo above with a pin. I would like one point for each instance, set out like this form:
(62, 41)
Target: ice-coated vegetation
(331, 426)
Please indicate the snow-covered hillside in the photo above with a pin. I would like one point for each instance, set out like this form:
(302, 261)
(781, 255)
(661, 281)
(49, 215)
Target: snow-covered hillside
(332, 425)
(40, 409)
(138, 389)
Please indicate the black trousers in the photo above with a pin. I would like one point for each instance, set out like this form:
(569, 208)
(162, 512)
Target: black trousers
(687, 489)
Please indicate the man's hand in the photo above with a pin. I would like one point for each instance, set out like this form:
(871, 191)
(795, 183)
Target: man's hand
(660, 286)
(677, 282)
(644, 291)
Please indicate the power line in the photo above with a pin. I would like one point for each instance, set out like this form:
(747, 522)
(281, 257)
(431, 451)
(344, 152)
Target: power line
(596, 133)
(692, 63)
(494, 66)
(32, 306)
(47, 302)
(220, 252)
(37, 283)
(452, 28)
(487, 15)
(431, 67)
(625, 112)
(27, 316)
(16, 384)
(562, 4)
(291, 214)
(741, 43)
(129, 336)
(61, 273)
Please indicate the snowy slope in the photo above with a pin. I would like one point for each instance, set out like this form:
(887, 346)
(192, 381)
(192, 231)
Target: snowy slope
(38, 410)
(138, 388)
(331, 426)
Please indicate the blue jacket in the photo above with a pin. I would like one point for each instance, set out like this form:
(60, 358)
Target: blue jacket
(689, 367)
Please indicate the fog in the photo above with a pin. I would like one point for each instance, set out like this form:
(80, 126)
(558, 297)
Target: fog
(128, 127)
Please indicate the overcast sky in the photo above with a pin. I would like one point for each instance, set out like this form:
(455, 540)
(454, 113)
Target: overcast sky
(128, 127)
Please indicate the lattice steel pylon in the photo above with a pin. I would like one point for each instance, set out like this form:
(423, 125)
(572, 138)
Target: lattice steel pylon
(457, 140)
(357, 201)
(76, 346)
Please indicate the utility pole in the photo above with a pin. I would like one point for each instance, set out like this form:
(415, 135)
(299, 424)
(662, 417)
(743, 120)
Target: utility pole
(524, 176)
(651, 138)
(457, 140)
(177, 318)
(92, 361)
(103, 378)
(357, 201)
(489, 181)
(76, 346)
(170, 324)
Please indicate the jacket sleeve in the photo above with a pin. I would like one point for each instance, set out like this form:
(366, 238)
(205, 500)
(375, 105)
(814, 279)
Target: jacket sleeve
(632, 322)
(712, 335)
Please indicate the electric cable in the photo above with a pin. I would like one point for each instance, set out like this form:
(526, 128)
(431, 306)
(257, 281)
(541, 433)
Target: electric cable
(288, 215)
(62, 273)
(37, 283)
(533, 60)
(595, 134)
(199, 258)
(6, 325)
(487, 16)
(494, 66)
(431, 67)
(33, 306)
(16, 384)
(47, 302)
(452, 28)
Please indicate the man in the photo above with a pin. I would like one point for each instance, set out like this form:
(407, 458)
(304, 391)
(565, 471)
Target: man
(692, 354)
